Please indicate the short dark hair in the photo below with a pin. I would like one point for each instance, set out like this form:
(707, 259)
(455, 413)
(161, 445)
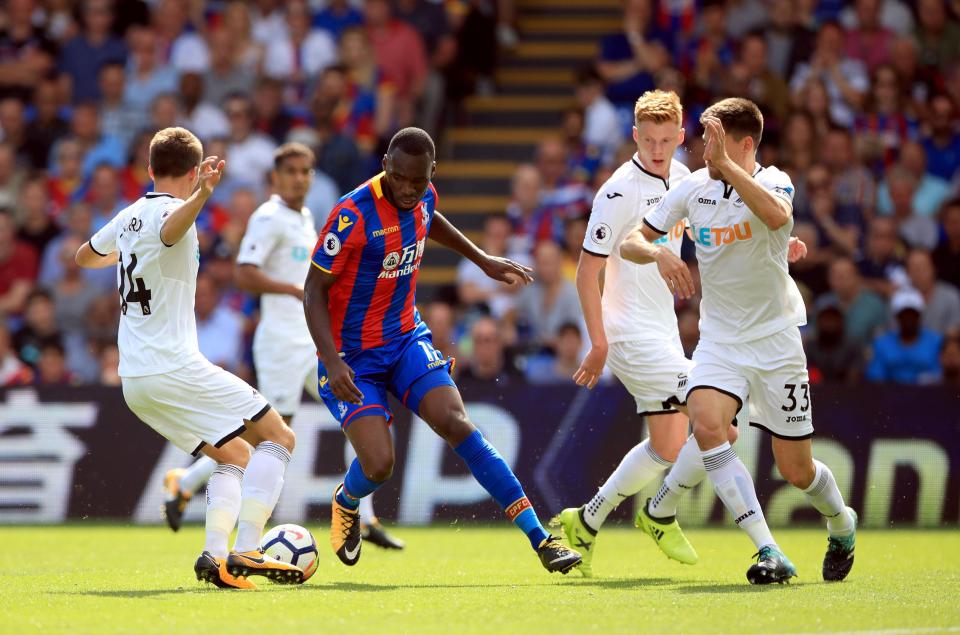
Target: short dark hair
(412, 141)
(290, 150)
(174, 151)
(569, 327)
(740, 117)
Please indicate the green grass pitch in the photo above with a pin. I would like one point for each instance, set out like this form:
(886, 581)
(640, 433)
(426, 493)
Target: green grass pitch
(460, 580)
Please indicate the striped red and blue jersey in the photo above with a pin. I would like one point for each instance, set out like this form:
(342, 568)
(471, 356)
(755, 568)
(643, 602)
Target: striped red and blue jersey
(375, 250)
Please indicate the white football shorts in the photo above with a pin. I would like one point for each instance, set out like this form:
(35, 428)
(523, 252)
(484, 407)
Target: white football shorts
(195, 405)
(654, 372)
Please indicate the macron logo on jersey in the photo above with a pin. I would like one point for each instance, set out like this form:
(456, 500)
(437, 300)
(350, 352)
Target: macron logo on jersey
(717, 236)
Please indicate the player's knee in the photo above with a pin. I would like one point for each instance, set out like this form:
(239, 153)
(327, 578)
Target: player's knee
(455, 427)
(708, 428)
(235, 453)
(668, 448)
(378, 468)
(799, 475)
(733, 434)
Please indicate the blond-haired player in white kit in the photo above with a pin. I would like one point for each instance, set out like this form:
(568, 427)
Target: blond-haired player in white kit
(741, 215)
(273, 261)
(167, 383)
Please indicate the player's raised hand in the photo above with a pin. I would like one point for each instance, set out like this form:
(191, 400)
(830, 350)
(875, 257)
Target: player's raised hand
(675, 273)
(340, 376)
(211, 171)
(715, 149)
(508, 271)
(591, 367)
(796, 249)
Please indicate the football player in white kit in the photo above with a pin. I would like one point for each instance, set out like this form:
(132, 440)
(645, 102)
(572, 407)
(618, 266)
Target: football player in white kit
(168, 384)
(273, 262)
(740, 215)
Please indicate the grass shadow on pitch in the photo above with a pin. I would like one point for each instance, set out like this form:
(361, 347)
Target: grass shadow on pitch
(734, 587)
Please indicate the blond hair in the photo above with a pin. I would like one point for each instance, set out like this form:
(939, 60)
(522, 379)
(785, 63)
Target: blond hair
(174, 151)
(658, 106)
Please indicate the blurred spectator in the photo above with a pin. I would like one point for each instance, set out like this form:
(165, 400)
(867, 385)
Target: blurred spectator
(941, 299)
(583, 160)
(854, 186)
(203, 119)
(839, 226)
(477, 52)
(105, 196)
(227, 74)
(798, 142)
(703, 57)
(18, 268)
(301, 54)
(147, 76)
(65, 183)
(250, 153)
(270, 116)
(950, 362)
(811, 272)
(865, 312)
(109, 360)
(118, 119)
(240, 46)
(938, 34)
(83, 56)
(13, 372)
(184, 49)
(102, 321)
(487, 361)
(12, 176)
(336, 16)
(26, 55)
(942, 139)
(893, 15)
(629, 59)
(13, 126)
(39, 327)
(367, 101)
(37, 228)
(560, 197)
(745, 17)
(900, 189)
(832, 357)
(72, 297)
(97, 148)
(52, 366)
(164, 112)
(788, 38)
(531, 221)
(547, 302)
(429, 19)
(134, 179)
(868, 40)
(764, 86)
(79, 221)
(885, 124)
(574, 230)
(601, 124)
(946, 256)
(846, 80)
(267, 19)
(908, 354)
(337, 154)
(560, 366)
(47, 125)
(219, 329)
(442, 319)
(400, 52)
(474, 287)
(814, 102)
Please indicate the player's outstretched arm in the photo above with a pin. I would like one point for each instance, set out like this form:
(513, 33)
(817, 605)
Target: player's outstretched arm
(316, 302)
(588, 289)
(176, 225)
(250, 278)
(774, 212)
(89, 259)
(502, 269)
(638, 247)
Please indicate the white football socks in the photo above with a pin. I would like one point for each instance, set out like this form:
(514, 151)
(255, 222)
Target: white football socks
(734, 485)
(366, 510)
(687, 472)
(825, 496)
(262, 483)
(223, 507)
(640, 466)
(197, 474)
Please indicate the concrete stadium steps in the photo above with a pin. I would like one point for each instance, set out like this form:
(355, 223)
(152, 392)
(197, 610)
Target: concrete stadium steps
(535, 84)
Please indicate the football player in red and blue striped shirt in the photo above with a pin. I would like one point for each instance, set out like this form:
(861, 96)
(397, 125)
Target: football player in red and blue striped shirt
(359, 299)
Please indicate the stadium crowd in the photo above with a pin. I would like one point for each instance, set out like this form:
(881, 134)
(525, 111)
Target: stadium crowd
(860, 100)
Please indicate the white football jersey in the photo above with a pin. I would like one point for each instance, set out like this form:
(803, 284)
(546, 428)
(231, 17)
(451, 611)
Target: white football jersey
(280, 241)
(637, 305)
(157, 283)
(747, 291)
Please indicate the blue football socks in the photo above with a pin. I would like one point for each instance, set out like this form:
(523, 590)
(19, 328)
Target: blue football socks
(356, 485)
